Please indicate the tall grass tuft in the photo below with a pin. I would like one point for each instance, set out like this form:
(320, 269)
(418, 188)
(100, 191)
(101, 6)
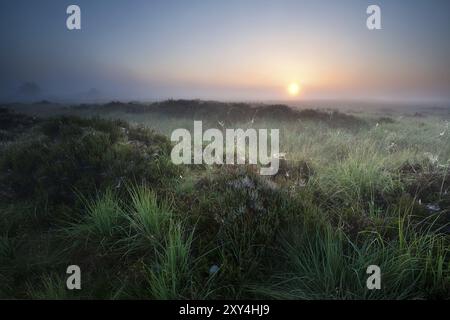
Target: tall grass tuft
(170, 276)
(148, 217)
(103, 220)
(323, 263)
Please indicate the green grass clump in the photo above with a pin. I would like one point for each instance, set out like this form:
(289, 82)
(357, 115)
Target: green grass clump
(140, 237)
(323, 263)
(148, 217)
(361, 178)
(170, 276)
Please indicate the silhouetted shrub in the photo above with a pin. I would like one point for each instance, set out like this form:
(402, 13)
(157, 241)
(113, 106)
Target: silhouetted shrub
(12, 121)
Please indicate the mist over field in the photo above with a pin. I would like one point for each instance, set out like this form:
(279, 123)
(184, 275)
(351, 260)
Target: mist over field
(234, 51)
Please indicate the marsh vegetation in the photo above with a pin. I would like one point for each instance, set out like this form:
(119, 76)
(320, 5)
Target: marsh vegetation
(93, 185)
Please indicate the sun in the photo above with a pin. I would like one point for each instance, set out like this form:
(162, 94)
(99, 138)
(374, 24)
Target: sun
(293, 89)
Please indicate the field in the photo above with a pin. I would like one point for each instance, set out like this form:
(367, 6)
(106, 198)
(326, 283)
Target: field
(94, 186)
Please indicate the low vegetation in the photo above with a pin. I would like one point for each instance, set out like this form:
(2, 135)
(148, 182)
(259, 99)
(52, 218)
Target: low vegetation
(95, 187)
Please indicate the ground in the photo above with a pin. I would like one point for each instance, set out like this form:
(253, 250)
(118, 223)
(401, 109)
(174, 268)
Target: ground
(94, 185)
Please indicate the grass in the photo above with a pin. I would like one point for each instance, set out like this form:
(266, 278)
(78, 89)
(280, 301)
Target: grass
(326, 264)
(148, 217)
(169, 277)
(102, 193)
(142, 230)
(51, 287)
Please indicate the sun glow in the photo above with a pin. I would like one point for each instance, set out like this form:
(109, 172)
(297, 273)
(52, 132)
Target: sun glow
(293, 89)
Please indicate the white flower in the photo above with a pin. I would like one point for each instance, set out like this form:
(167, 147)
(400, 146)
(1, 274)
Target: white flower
(391, 147)
(433, 207)
(213, 270)
(281, 155)
(431, 157)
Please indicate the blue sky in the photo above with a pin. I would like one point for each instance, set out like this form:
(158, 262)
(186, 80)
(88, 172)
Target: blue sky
(228, 50)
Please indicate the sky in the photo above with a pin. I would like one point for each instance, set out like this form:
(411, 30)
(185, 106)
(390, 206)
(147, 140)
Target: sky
(227, 50)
